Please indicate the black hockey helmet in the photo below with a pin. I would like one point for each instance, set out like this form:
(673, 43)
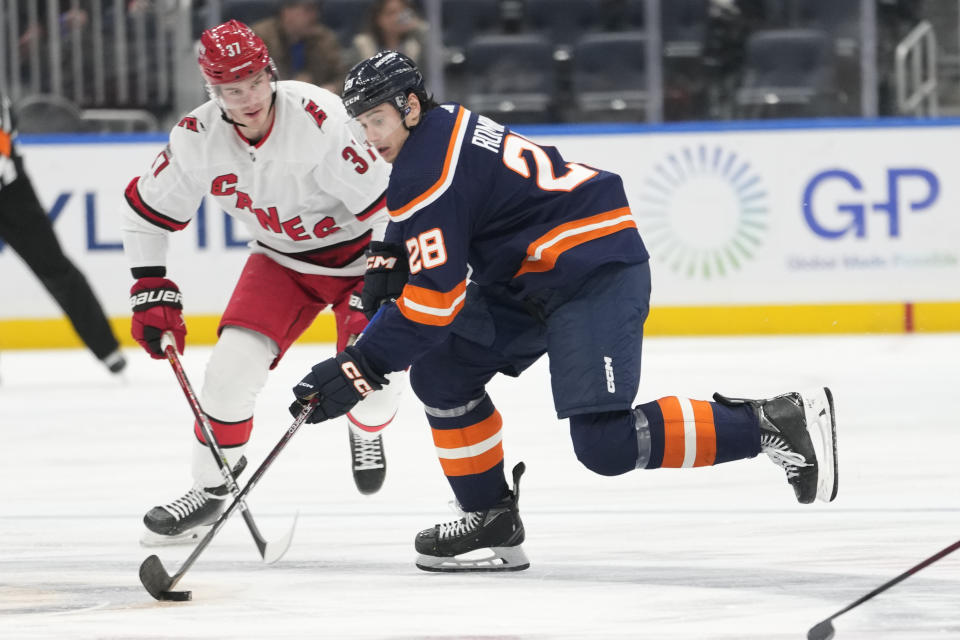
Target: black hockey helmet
(388, 76)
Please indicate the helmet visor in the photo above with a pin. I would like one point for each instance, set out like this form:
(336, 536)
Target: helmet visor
(376, 127)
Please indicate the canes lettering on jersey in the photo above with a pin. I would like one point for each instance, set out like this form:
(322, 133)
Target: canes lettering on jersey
(269, 217)
(310, 210)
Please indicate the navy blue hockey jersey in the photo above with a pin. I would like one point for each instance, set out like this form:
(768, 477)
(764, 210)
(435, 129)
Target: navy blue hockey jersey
(473, 201)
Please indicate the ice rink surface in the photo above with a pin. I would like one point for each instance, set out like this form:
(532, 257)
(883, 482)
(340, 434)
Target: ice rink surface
(722, 552)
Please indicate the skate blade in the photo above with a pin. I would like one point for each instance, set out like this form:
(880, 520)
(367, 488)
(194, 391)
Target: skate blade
(150, 539)
(822, 427)
(489, 559)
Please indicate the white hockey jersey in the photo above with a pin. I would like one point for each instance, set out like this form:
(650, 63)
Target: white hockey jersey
(308, 194)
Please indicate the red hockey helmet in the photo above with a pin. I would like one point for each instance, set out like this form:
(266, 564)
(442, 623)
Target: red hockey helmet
(230, 52)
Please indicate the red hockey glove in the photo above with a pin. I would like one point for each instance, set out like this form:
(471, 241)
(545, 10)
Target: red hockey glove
(157, 307)
(386, 275)
(338, 384)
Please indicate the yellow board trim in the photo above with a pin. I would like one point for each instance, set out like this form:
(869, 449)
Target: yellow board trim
(57, 333)
(893, 317)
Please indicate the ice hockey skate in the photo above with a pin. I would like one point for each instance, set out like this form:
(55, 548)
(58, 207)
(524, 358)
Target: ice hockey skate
(187, 518)
(798, 431)
(479, 541)
(368, 461)
(115, 362)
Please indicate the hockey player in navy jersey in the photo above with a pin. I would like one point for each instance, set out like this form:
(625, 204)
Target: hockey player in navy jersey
(497, 252)
(279, 157)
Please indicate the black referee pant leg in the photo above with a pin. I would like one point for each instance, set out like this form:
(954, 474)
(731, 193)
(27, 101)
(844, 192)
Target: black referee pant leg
(25, 227)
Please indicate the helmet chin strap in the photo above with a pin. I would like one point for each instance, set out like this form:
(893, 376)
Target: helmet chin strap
(273, 97)
(229, 120)
(402, 106)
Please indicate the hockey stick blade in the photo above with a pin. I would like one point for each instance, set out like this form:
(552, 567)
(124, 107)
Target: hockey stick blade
(821, 631)
(270, 552)
(155, 578)
(275, 550)
(157, 581)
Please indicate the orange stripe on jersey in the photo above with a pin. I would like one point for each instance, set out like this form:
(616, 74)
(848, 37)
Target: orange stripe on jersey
(6, 145)
(477, 464)
(706, 433)
(426, 306)
(543, 253)
(468, 436)
(446, 176)
(673, 439)
(472, 449)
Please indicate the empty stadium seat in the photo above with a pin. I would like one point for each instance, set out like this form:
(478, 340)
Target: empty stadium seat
(44, 113)
(464, 19)
(684, 27)
(562, 21)
(609, 79)
(788, 72)
(511, 77)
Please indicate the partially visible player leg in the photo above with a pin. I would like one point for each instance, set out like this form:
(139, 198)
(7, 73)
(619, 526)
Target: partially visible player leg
(267, 311)
(450, 380)
(596, 376)
(235, 374)
(366, 421)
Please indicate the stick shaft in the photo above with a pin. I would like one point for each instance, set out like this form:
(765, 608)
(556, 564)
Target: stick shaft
(900, 578)
(207, 430)
(238, 500)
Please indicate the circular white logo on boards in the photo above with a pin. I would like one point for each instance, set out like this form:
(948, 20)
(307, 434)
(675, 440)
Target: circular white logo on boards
(703, 212)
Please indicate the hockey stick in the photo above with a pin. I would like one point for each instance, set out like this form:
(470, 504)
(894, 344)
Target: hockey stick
(155, 578)
(824, 630)
(269, 551)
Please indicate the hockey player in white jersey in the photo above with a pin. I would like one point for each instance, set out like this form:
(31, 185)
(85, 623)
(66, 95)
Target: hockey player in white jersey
(278, 157)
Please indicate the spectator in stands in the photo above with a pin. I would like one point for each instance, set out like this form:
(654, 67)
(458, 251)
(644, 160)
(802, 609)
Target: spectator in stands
(393, 25)
(729, 24)
(303, 48)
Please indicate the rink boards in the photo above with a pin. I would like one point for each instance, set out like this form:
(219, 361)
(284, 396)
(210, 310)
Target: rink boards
(839, 226)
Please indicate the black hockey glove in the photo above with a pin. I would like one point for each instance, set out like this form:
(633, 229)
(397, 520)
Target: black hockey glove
(386, 275)
(338, 384)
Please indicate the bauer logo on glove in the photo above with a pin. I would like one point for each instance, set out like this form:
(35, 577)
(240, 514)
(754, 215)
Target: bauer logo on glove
(157, 296)
(157, 308)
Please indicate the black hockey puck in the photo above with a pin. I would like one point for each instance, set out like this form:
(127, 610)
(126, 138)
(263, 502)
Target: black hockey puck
(177, 596)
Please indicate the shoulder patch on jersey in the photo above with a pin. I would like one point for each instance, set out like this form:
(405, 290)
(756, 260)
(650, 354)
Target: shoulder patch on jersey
(319, 115)
(190, 123)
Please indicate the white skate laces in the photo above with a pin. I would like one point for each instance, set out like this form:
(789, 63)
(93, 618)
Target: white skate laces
(469, 522)
(781, 454)
(188, 503)
(367, 454)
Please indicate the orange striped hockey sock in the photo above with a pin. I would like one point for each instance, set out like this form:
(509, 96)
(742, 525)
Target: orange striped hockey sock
(469, 447)
(697, 433)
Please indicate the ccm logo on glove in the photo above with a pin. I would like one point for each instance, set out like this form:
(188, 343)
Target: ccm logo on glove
(336, 385)
(360, 383)
(380, 262)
